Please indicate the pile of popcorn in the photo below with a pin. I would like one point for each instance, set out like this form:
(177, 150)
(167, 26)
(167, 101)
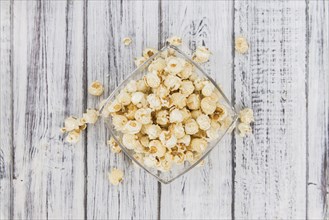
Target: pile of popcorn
(167, 117)
(171, 114)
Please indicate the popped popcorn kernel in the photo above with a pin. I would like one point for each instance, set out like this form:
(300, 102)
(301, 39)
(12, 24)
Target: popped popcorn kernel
(115, 176)
(91, 116)
(96, 88)
(241, 45)
(126, 41)
(115, 148)
(201, 55)
(246, 115)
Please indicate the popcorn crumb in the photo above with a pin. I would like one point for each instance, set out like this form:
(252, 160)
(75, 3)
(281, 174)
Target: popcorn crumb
(126, 41)
(115, 176)
(244, 129)
(241, 45)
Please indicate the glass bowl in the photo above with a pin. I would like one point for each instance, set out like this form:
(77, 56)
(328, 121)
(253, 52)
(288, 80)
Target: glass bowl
(177, 170)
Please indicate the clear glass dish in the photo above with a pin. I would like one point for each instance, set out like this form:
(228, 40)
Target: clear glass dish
(177, 170)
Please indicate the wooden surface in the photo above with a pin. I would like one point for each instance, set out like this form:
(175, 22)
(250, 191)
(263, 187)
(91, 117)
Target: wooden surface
(50, 52)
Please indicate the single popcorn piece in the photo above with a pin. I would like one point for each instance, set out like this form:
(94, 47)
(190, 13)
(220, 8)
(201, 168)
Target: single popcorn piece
(141, 86)
(208, 106)
(162, 91)
(241, 45)
(199, 84)
(177, 129)
(96, 88)
(115, 176)
(137, 98)
(246, 115)
(178, 100)
(153, 131)
(143, 116)
(167, 139)
(208, 88)
(220, 113)
(139, 61)
(71, 123)
(119, 121)
(201, 55)
(175, 41)
(154, 102)
(126, 41)
(174, 65)
(199, 145)
(187, 87)
(186, 140)
(244, 129)
(162, 117)
(130, 111)
(131, 86)
(186, 114)
(195, 114)
(157, 65)
(212, 134)
(187, 71)
(157, 149)
(172, 82)
(73, 137)
(144, 140)
(132, 127)
(152, 80)
(148, 52)
(124, 98)
(115, 106)
(191, 127)
(130, 141)
(203, 122)
(115, 148)
(193, 101)
(91, 116)
(175, 116)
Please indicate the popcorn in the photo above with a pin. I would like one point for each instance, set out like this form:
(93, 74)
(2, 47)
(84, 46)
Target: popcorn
(114, 145)
(130, 141)
(119, 121)
(144, 140)
(73, 137)
(96, 88)
(175, 116)
(175, 41)
(241, 45)
(157, 65)
(212, 134)
(124, 98)
(153, 131)
(167, 139)
(187, 87)
(132, 127)
(141, 86)
(157, 149)
(186, 140)
(195, 114)
(203, 122)
(199, 84)
(143, 116)
(154, 102)
(90, 116)
(177, 130)
(201, 55)
(244, 129)
(199, 145)
(149, 161)
(139, 61)
(126, 41)
(152, 80)
(162, 91)
(186, 114)
(162, 117)
(172, 82)
(174, 65)
(193, 102)
(208, 106)
(187, 71)
(221, 112)
(178, 100)
(71, 123)
(130, 111)
(189, 157)
(191, 127)
(137, 98)
(208, 88)
(131, 86)
(246, 115)
(148, 52)
(115, 176)
(115, 106)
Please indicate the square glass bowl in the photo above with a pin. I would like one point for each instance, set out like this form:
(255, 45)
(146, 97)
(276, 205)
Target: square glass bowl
(176, 170)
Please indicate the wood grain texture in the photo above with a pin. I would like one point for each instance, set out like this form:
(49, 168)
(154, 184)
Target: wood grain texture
(48, 45)
(318, 110)
(270, 167)
(110, 61)
(206, 192)
(5, 110)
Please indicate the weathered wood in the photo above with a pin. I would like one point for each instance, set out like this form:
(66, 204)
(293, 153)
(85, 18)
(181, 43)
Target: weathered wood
(5, 110)
(203, 193)
(270, 167)
(110, 62)
(48, 60)
(318, 110)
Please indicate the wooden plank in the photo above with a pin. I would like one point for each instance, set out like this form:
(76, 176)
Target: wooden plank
(203, 193)
(48, 71)
(271, 165)
(110, 62)
(5, 110)
(318, 110)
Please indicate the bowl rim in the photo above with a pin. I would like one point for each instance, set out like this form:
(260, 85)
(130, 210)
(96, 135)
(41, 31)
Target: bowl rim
(116, 90)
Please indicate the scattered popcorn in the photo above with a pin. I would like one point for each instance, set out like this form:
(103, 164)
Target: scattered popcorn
(175, 41)
(96, 88)
(126, 41)
(115, 176)
(241, 45)
(246, 115)
(115, 148)
(73, 137)
(71, 123)
(201, 55)
(244, 129)
(91, 116)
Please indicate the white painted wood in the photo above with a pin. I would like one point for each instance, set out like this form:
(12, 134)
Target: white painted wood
(48, 60)
(110, 61)
(5, 110)
(318, 110)
(270, 167)
(203, 193)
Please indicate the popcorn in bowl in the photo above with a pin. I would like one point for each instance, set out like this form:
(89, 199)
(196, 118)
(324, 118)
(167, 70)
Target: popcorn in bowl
(168, 114)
